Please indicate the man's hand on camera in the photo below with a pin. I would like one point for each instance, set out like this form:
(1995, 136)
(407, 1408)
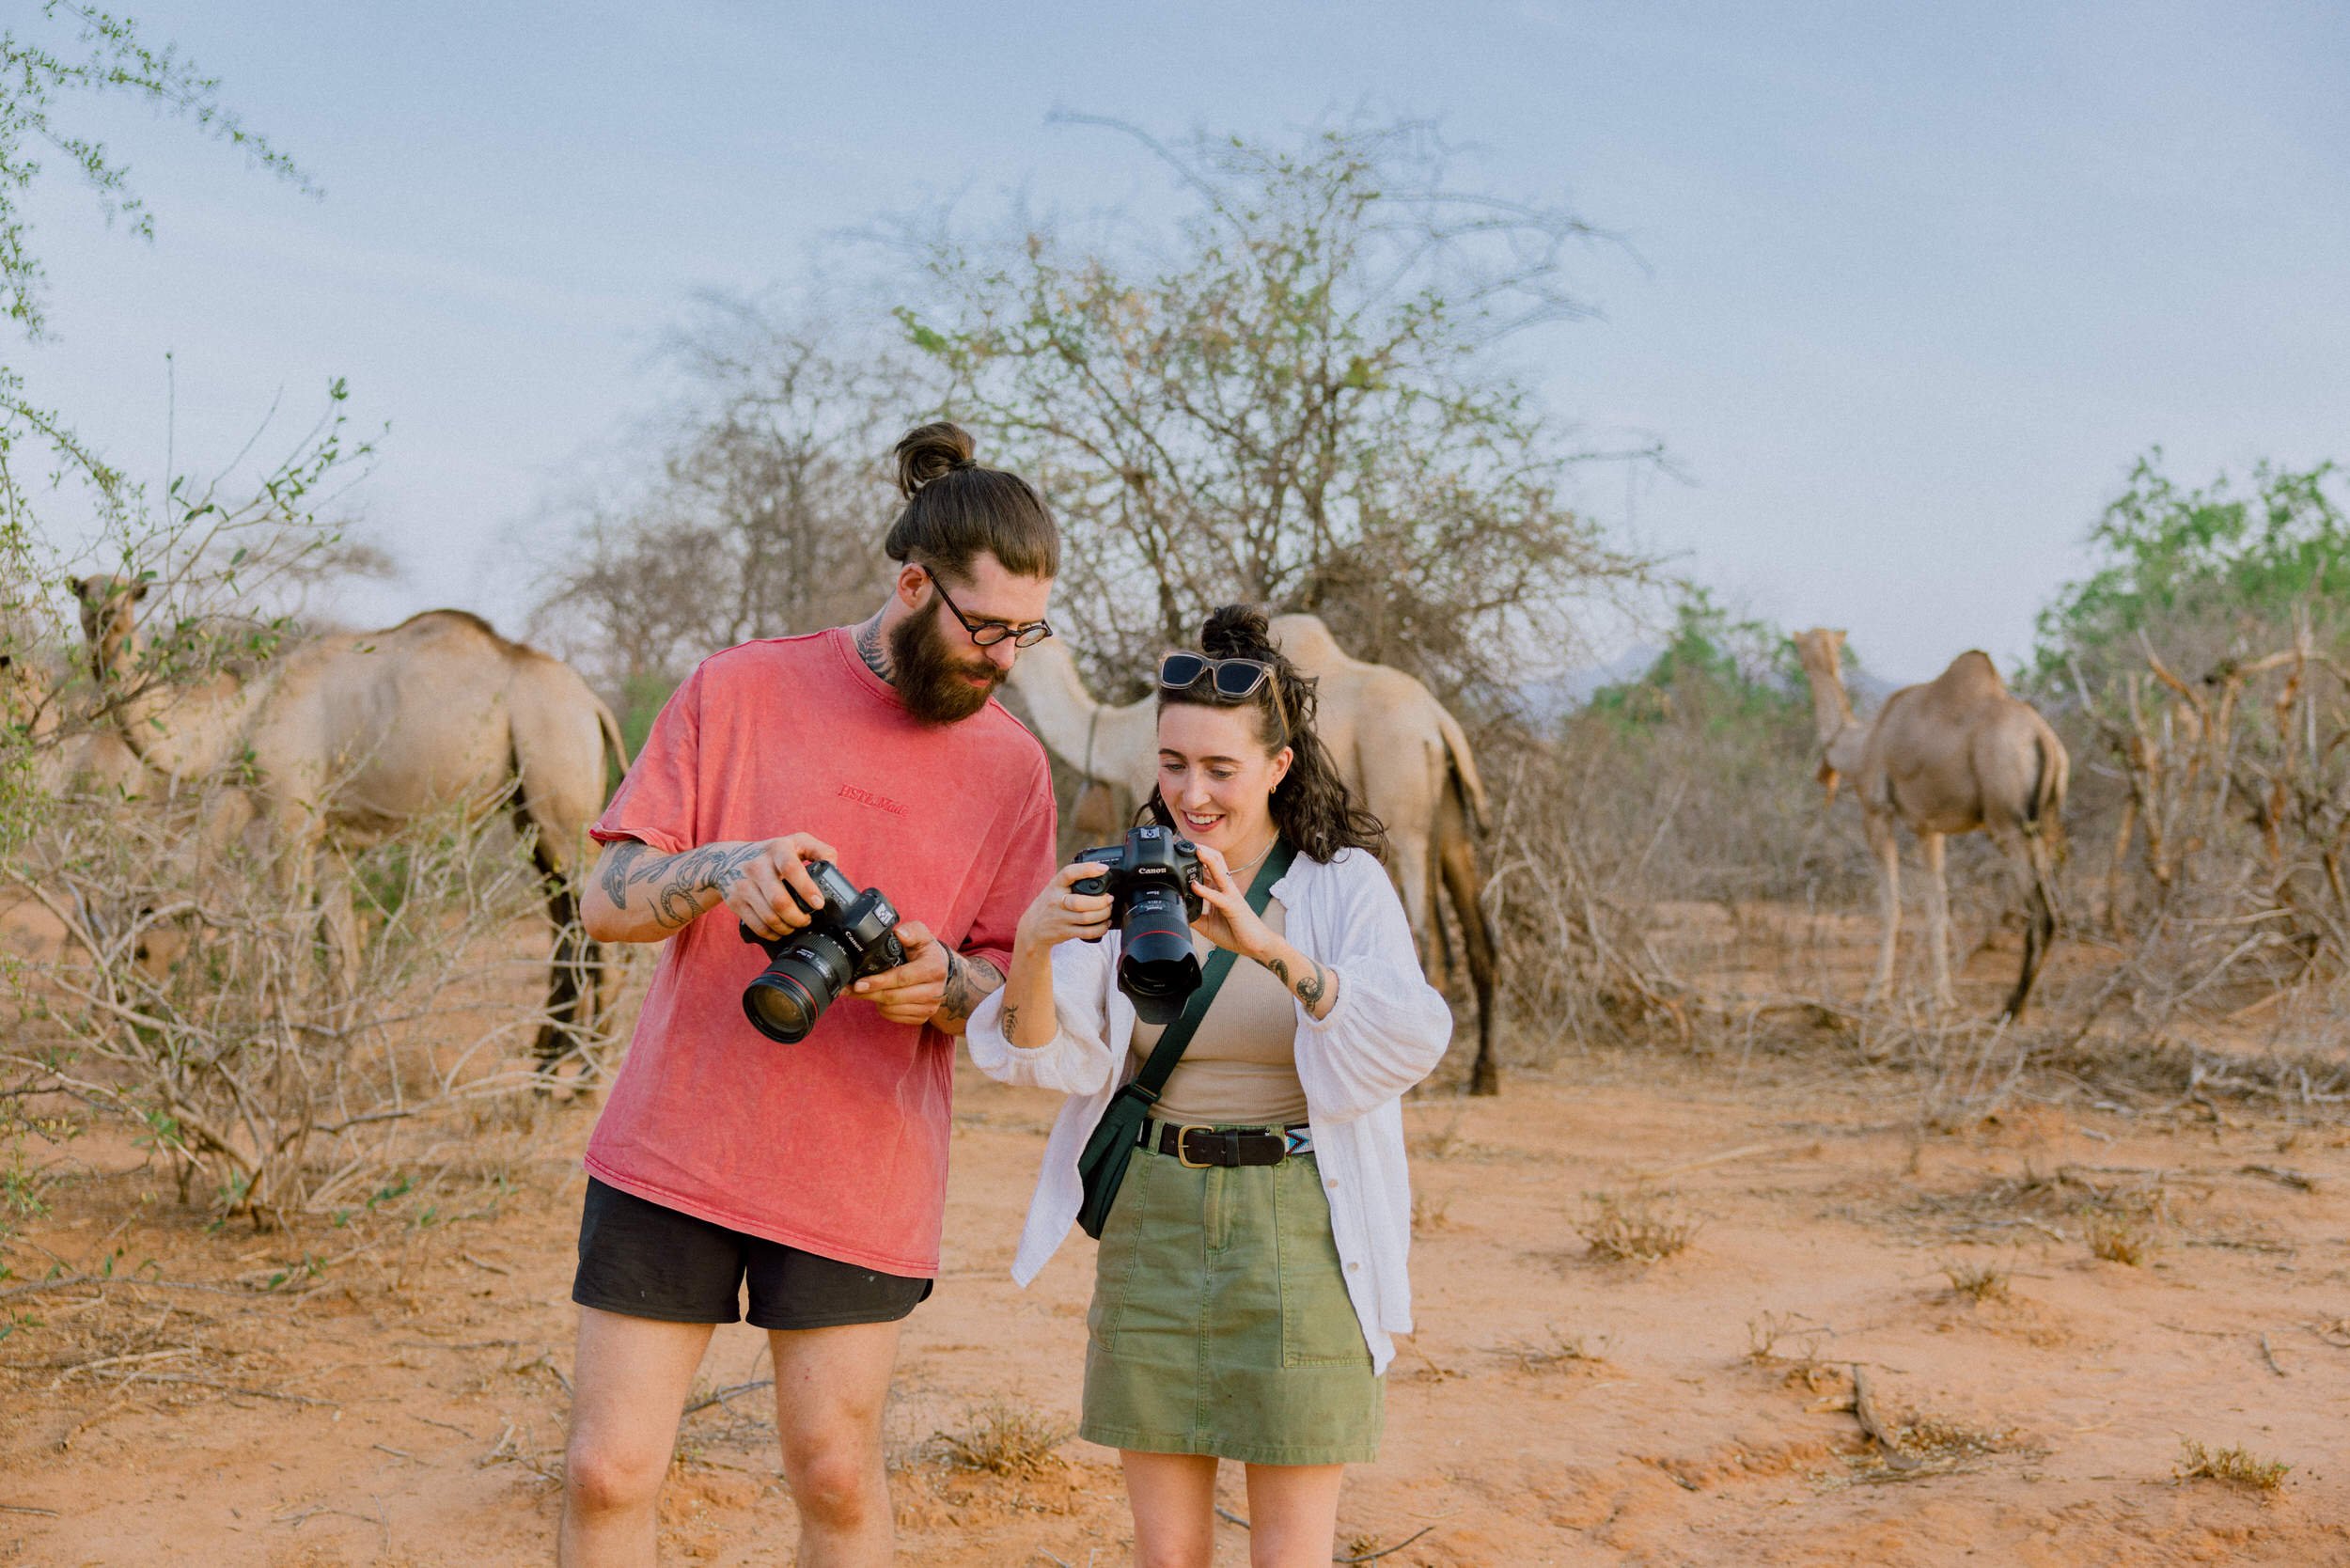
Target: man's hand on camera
(755, 889)
(910, 992)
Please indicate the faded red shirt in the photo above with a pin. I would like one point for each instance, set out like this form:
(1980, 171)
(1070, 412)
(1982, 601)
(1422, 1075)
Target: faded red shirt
(836, 1144)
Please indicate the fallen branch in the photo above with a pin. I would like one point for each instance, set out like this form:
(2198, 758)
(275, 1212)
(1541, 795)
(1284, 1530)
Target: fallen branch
(1864, 1409)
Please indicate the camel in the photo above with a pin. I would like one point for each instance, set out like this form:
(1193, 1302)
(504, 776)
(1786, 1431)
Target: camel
(1956, 755)
(1397, 748)
(348, 736)
(66, 759)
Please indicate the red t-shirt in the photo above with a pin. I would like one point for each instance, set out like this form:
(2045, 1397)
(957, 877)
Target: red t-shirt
(836, 1144)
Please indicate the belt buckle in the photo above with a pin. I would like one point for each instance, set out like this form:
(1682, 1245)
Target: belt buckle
(1183, 1147)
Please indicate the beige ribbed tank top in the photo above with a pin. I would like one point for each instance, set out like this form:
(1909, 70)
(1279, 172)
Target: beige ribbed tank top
(1241, 1066)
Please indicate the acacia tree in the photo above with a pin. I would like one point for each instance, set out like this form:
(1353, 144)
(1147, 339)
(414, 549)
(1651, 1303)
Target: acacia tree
(765, 514)
(1291, 399)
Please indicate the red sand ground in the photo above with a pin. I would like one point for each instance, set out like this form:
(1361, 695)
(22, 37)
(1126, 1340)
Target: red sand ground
(420, 1384)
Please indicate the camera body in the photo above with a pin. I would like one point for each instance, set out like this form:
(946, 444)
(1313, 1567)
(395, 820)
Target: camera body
(853, 934)
(1151, 879)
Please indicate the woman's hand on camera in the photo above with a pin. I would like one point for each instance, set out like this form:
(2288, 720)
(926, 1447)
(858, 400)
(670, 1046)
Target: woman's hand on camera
(755, 889)
(1060, 913)
(1225, 917)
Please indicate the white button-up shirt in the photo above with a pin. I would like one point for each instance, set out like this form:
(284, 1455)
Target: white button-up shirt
(1388, 1031)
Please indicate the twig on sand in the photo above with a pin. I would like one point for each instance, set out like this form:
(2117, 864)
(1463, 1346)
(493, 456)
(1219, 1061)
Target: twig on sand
(20, 1508)
(1720, 1157)
(721, 1395)
(1384, 1551)
(1229, 1516)
(2270, 1357)
(1864, 1408)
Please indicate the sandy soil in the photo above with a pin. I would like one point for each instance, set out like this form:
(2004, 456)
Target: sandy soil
(400, 1399)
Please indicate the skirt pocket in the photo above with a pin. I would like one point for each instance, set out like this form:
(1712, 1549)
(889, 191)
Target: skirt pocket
(1319, 1327)
(1120, 1254)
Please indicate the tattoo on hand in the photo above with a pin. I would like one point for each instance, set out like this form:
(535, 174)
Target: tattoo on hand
(874, 651)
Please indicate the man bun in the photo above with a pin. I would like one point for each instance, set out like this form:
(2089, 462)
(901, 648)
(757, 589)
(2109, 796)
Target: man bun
(956, 510)
(928, 451)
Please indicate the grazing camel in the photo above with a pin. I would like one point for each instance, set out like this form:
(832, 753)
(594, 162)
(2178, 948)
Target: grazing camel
(350, 735)
(1956, 755)
(1395, 745)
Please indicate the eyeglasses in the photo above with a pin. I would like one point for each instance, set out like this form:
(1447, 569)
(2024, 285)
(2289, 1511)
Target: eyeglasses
(1236, 679)
(987, 634)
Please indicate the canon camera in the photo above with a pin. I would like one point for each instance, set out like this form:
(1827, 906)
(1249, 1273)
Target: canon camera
(1150, 880)
(852, 935)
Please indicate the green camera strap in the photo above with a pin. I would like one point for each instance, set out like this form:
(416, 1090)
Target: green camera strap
(1170, 1050)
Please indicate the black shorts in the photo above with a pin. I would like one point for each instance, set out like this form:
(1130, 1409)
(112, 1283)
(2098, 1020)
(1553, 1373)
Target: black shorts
(644, 1260)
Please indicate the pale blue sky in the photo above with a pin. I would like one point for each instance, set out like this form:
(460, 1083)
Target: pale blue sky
(1919, 282)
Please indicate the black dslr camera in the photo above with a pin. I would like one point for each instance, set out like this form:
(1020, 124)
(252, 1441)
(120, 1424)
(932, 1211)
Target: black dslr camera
(852, 936)
(1153, 901)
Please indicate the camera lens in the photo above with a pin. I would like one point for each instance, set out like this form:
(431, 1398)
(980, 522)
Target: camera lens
(793, 991)
(1157, 965)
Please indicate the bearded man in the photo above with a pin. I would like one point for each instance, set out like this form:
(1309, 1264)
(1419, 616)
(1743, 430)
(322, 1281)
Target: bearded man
(815, 1172)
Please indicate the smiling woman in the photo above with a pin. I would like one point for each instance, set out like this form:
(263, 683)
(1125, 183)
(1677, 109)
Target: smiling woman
(1251, 1274)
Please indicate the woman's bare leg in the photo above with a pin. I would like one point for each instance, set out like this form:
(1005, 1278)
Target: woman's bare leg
(1292, 1514)
(1173, 1496)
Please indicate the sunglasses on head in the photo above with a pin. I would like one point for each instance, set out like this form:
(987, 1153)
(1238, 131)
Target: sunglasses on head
(1236, 679)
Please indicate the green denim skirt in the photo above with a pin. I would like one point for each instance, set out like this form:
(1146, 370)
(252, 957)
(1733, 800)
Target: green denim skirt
(1220, 1322)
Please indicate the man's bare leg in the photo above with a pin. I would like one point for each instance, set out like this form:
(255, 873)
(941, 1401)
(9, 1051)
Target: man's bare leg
(629, 1383)
(830, 1386)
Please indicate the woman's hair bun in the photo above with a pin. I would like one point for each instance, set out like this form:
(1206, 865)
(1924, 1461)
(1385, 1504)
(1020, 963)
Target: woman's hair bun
(1237, 632)
(928, 451)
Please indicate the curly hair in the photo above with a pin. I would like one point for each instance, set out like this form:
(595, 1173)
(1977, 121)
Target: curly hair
(1311, 806)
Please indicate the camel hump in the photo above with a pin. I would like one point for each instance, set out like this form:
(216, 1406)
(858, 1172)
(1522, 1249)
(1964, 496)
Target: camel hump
(1971, 673)
(451, 619)
(1309, 643)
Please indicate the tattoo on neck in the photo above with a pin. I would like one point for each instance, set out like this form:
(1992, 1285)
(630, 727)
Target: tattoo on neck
(874, 650)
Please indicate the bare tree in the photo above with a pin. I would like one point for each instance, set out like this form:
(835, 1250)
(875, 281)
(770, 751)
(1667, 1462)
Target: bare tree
(1292, 400)
(766, 513)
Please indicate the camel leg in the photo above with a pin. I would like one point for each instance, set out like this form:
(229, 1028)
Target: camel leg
(1888, 851)
(1408, 865)
(1930, 848)
(2030, 850)
(1457, 859)
(340, 919)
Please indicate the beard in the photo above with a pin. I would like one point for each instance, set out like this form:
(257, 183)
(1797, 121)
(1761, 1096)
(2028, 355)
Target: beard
(933, 681)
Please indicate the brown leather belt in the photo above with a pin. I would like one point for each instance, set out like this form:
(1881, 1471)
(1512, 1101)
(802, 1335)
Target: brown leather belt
(1198, 1147)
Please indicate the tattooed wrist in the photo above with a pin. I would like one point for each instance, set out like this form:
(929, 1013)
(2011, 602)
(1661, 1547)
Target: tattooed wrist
(968, 983)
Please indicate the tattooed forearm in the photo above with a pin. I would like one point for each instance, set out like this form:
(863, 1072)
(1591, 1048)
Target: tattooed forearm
(677, 882)
(1011, 1023)
(968, 983)
(616, 861)
(1309, 988)
(874, 650)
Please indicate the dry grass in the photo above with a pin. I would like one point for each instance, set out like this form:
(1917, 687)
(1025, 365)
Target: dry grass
(1976, 1282)
(2120, 1237)
(2233, 1467)
(1001, 1438)
(1555, 1350)
(1430, 1212)
(1638, 1227)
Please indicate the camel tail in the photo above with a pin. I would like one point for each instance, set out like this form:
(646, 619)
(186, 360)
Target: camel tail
(615, 748)
(1464, 775)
